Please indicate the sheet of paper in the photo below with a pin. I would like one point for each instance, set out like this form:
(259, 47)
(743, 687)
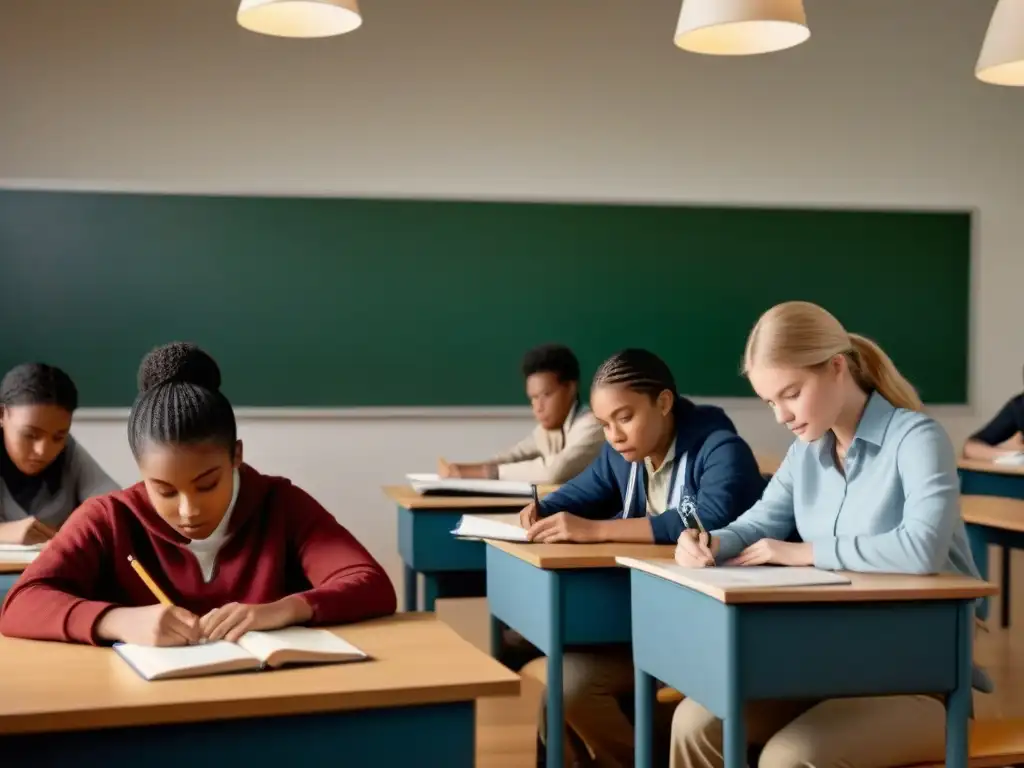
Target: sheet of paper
(21, 548)
(1011, 459)
(749, 576)
(424, 483)
(487, 527)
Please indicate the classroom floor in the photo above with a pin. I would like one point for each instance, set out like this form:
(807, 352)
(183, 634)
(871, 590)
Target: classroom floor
(506, 734)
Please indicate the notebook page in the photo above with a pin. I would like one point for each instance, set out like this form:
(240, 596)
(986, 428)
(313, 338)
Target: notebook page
(5, 548)
(757, 575)
(152, 662)
(303, 639)
(485, 527)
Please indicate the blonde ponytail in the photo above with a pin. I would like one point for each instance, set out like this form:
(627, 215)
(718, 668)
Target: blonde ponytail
(874, 370)
(799, 334)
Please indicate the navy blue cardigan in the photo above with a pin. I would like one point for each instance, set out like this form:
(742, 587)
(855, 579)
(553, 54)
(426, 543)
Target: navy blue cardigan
(721, 477)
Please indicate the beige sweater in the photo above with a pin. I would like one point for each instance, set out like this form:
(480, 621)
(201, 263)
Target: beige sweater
(553, 456)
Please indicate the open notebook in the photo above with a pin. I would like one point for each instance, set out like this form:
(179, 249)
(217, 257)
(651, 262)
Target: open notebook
(255, 650)
(500, 527)
(19, 553)
(432, 484)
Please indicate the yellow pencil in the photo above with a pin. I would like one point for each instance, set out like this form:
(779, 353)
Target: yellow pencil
(157, 592)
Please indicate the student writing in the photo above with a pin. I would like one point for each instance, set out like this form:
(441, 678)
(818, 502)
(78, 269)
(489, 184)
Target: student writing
(870, 485)
(233, 549)
(1001, 436)
(44, 473)
(664, 454)
(567, 436)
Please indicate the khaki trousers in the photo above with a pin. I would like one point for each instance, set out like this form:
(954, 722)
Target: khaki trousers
(866, 732)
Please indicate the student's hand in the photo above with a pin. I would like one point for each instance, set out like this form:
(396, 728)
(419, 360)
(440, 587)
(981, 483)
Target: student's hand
(693, 550)
(231, 621)
(151, 625)
(562, 526)
(528, 516)
(775, 552)
(26, 531)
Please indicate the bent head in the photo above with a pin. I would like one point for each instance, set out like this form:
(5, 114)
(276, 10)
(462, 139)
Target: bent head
(183, 435)
(37, 402)
(632, 397)
(552, 375)
(805, 365)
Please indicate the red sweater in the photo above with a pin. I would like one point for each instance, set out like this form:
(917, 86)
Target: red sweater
(281, 542)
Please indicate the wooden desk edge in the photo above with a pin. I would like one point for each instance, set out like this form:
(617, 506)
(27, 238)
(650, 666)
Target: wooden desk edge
(9, 567)
(961, 588)
(579, 556)
(406, 497)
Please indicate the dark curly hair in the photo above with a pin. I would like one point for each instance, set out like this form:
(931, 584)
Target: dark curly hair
(552, 358)
(180, 401)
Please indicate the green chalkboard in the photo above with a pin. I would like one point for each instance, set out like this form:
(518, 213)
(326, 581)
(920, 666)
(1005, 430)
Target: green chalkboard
(342, 302)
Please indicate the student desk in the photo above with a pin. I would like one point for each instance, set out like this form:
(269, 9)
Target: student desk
(412, 704)
(999, 521)
(880, 635)
(986, 478)
(558, 595)
(451, 567)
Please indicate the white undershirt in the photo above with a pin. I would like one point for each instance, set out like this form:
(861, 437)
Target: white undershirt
(206, 549)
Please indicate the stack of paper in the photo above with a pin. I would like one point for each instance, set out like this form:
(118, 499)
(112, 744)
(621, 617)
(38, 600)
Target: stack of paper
(487, 527)
(19, 553)
(433, 484)
(742, 576)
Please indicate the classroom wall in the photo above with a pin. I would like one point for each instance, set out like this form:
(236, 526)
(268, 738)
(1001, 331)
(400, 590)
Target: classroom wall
(538, 99)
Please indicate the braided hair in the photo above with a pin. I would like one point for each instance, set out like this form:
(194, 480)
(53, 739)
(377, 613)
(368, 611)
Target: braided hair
(636, 369)
(180, 401)
(38, 384)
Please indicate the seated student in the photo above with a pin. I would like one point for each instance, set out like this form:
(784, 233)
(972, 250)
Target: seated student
(567, 436)
(1001, 436)
(664, 457)
(44, 473)
(233, 549)
(871, 485)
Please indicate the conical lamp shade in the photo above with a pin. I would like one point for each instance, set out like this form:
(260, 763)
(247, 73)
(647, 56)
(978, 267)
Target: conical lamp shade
(741, 27)
(300, 18)
(1002, 54)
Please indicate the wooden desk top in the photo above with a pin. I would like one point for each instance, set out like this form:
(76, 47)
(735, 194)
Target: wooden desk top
(405, 496)
(989, 466)
(866, 587)
(8, 567)
(417, 660)
(557, 557)
(993, 511)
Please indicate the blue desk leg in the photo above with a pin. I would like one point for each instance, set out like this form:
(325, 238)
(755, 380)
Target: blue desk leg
(1004, 597)
(734, 736)
(958, 703)
(554, 670)
(643, 725)
(431, 590)
(410, 590)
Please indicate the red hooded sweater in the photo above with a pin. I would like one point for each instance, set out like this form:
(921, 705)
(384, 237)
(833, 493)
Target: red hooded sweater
(281, 542)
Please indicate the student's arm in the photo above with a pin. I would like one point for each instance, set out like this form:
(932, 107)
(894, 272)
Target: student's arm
(985, 444)
(525, 450)
(90, 479)
(931, 510)
(772, 517)
(582, 445)
(592, 494)
(348, 584)
(53, 598)
(728, 484)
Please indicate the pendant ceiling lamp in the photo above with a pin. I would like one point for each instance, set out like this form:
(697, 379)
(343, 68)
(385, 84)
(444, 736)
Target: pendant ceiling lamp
(741, 27)
(299, 18)
(1001, 61)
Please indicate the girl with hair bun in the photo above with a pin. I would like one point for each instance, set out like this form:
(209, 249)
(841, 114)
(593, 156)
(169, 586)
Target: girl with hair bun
(233, 549)
(870, 484)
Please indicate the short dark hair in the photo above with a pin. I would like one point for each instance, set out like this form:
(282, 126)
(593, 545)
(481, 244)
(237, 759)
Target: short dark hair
(180, 401)
(552, 358)
(38, 384)
(636, 369)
